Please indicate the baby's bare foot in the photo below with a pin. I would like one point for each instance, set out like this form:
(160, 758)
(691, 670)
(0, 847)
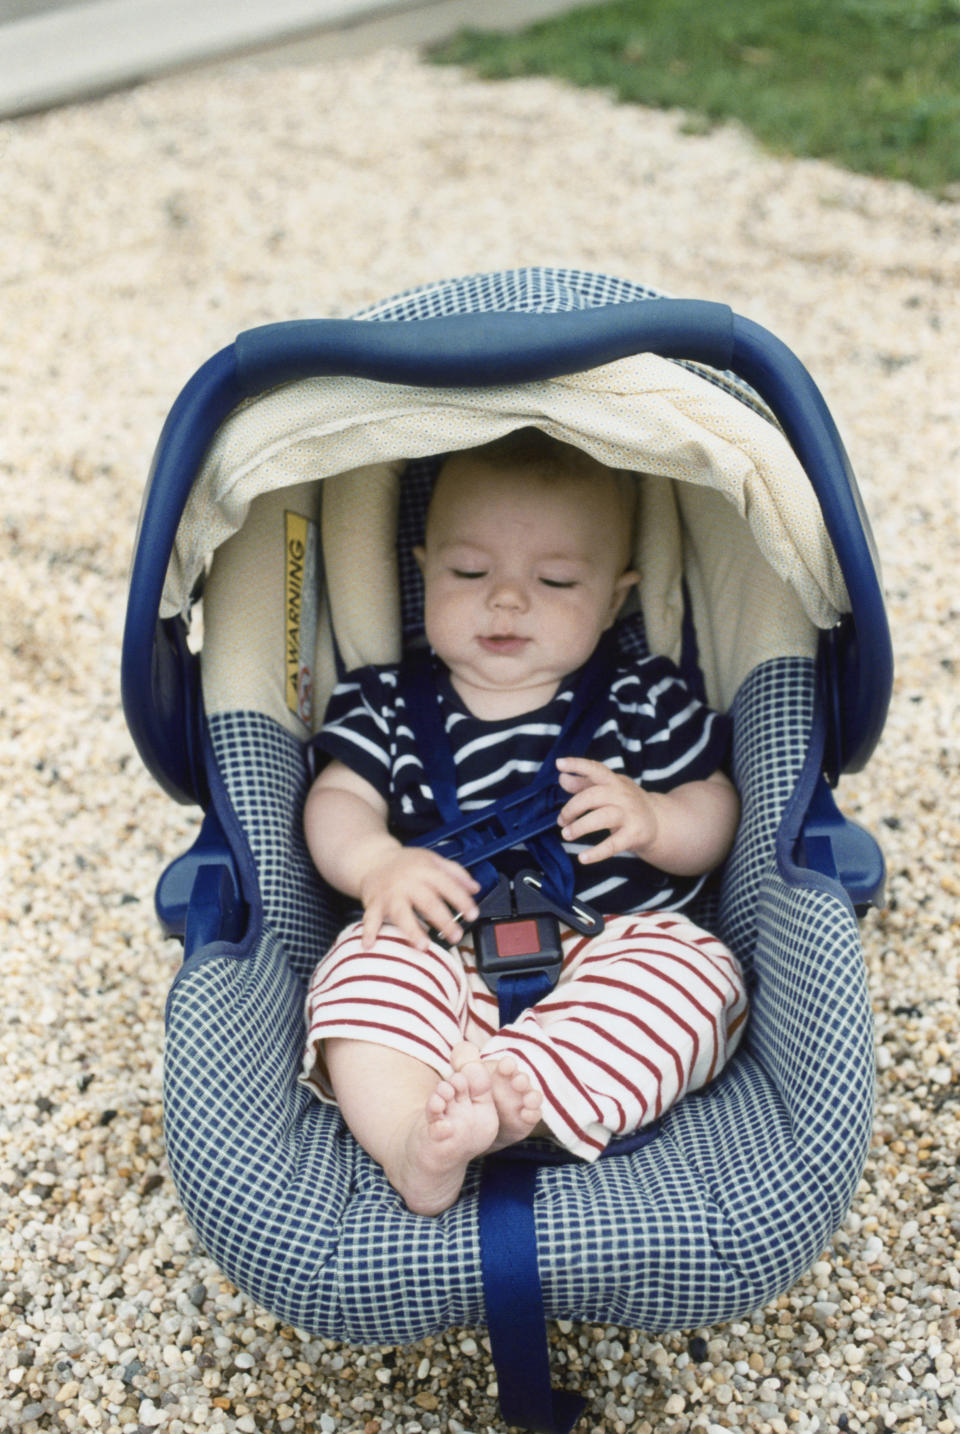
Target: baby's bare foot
(459, 1122)
(517, 1100)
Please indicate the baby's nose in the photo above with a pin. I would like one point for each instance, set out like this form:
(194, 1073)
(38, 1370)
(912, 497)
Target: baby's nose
(508, 594)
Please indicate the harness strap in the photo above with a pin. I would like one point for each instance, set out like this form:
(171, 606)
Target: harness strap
(525, 818)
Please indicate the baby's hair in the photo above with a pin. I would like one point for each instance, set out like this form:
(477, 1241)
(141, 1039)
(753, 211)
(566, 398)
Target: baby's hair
(530, 449)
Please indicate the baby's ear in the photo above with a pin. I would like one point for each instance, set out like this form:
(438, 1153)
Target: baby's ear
(625, 582)
(421, 556)
(621, 587)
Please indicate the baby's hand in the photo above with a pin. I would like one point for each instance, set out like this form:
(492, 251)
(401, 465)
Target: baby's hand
(413, 886)
(605, 801)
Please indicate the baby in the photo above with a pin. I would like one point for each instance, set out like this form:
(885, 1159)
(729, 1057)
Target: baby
(526, 563)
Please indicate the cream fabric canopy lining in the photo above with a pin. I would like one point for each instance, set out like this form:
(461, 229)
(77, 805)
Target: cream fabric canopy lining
(735, 476)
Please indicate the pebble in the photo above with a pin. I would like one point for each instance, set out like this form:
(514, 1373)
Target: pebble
(151, 226)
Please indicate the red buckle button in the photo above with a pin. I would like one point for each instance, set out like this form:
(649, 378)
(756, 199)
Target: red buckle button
(516, 938)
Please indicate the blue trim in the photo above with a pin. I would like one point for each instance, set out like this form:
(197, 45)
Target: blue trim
(198, 896)
(817, 848)
(835, 847)
(242, 914)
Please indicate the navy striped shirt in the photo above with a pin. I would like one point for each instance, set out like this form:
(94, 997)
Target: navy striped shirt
(654, 730)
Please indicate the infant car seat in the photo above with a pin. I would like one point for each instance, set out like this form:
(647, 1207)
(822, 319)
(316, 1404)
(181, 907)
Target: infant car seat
(289, 484)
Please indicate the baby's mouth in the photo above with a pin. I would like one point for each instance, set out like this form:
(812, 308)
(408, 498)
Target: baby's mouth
(502, 642)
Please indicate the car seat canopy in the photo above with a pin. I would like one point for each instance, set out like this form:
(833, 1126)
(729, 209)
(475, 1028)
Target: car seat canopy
(725, 508)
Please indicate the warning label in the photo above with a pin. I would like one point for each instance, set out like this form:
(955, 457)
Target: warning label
(300, 612)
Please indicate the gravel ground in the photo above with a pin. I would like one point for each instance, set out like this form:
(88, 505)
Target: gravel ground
(144, 231)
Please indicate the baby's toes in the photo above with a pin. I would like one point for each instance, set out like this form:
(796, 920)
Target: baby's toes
(514, 1074)
(439, 1100)
(476, 1079)
(464, 1054)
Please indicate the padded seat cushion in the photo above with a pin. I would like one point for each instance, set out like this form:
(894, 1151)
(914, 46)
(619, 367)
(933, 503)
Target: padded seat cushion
(722, 1211)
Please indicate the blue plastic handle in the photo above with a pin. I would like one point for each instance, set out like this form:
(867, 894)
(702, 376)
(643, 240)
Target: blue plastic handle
(485, 349)
(159, 677)
(861, 660)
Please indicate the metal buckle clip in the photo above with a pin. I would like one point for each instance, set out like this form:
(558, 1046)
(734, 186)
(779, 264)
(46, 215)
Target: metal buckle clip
(529, 894)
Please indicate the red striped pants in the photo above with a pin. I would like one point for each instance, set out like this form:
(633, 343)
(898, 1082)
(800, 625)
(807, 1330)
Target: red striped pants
(647, 1011)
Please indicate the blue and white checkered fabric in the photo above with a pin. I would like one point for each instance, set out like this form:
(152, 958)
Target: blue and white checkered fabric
(734, 1199)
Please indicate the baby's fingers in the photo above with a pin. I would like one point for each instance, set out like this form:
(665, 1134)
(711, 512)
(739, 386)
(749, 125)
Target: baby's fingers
(441, 915)
(408, 917)
(586, 800)
(441, 898)
(571, 783)
(582, 767)
(456, 887)
(466, 883)
(612, 845)
(372, 921)
(397, 909)
(598, 819)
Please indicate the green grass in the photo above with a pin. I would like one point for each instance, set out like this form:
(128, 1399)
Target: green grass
(870, 84)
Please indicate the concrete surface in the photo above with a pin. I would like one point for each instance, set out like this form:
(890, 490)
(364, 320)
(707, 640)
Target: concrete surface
(57, 53)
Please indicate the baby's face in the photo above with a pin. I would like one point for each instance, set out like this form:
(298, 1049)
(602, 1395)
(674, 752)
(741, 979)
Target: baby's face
(522, 574)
